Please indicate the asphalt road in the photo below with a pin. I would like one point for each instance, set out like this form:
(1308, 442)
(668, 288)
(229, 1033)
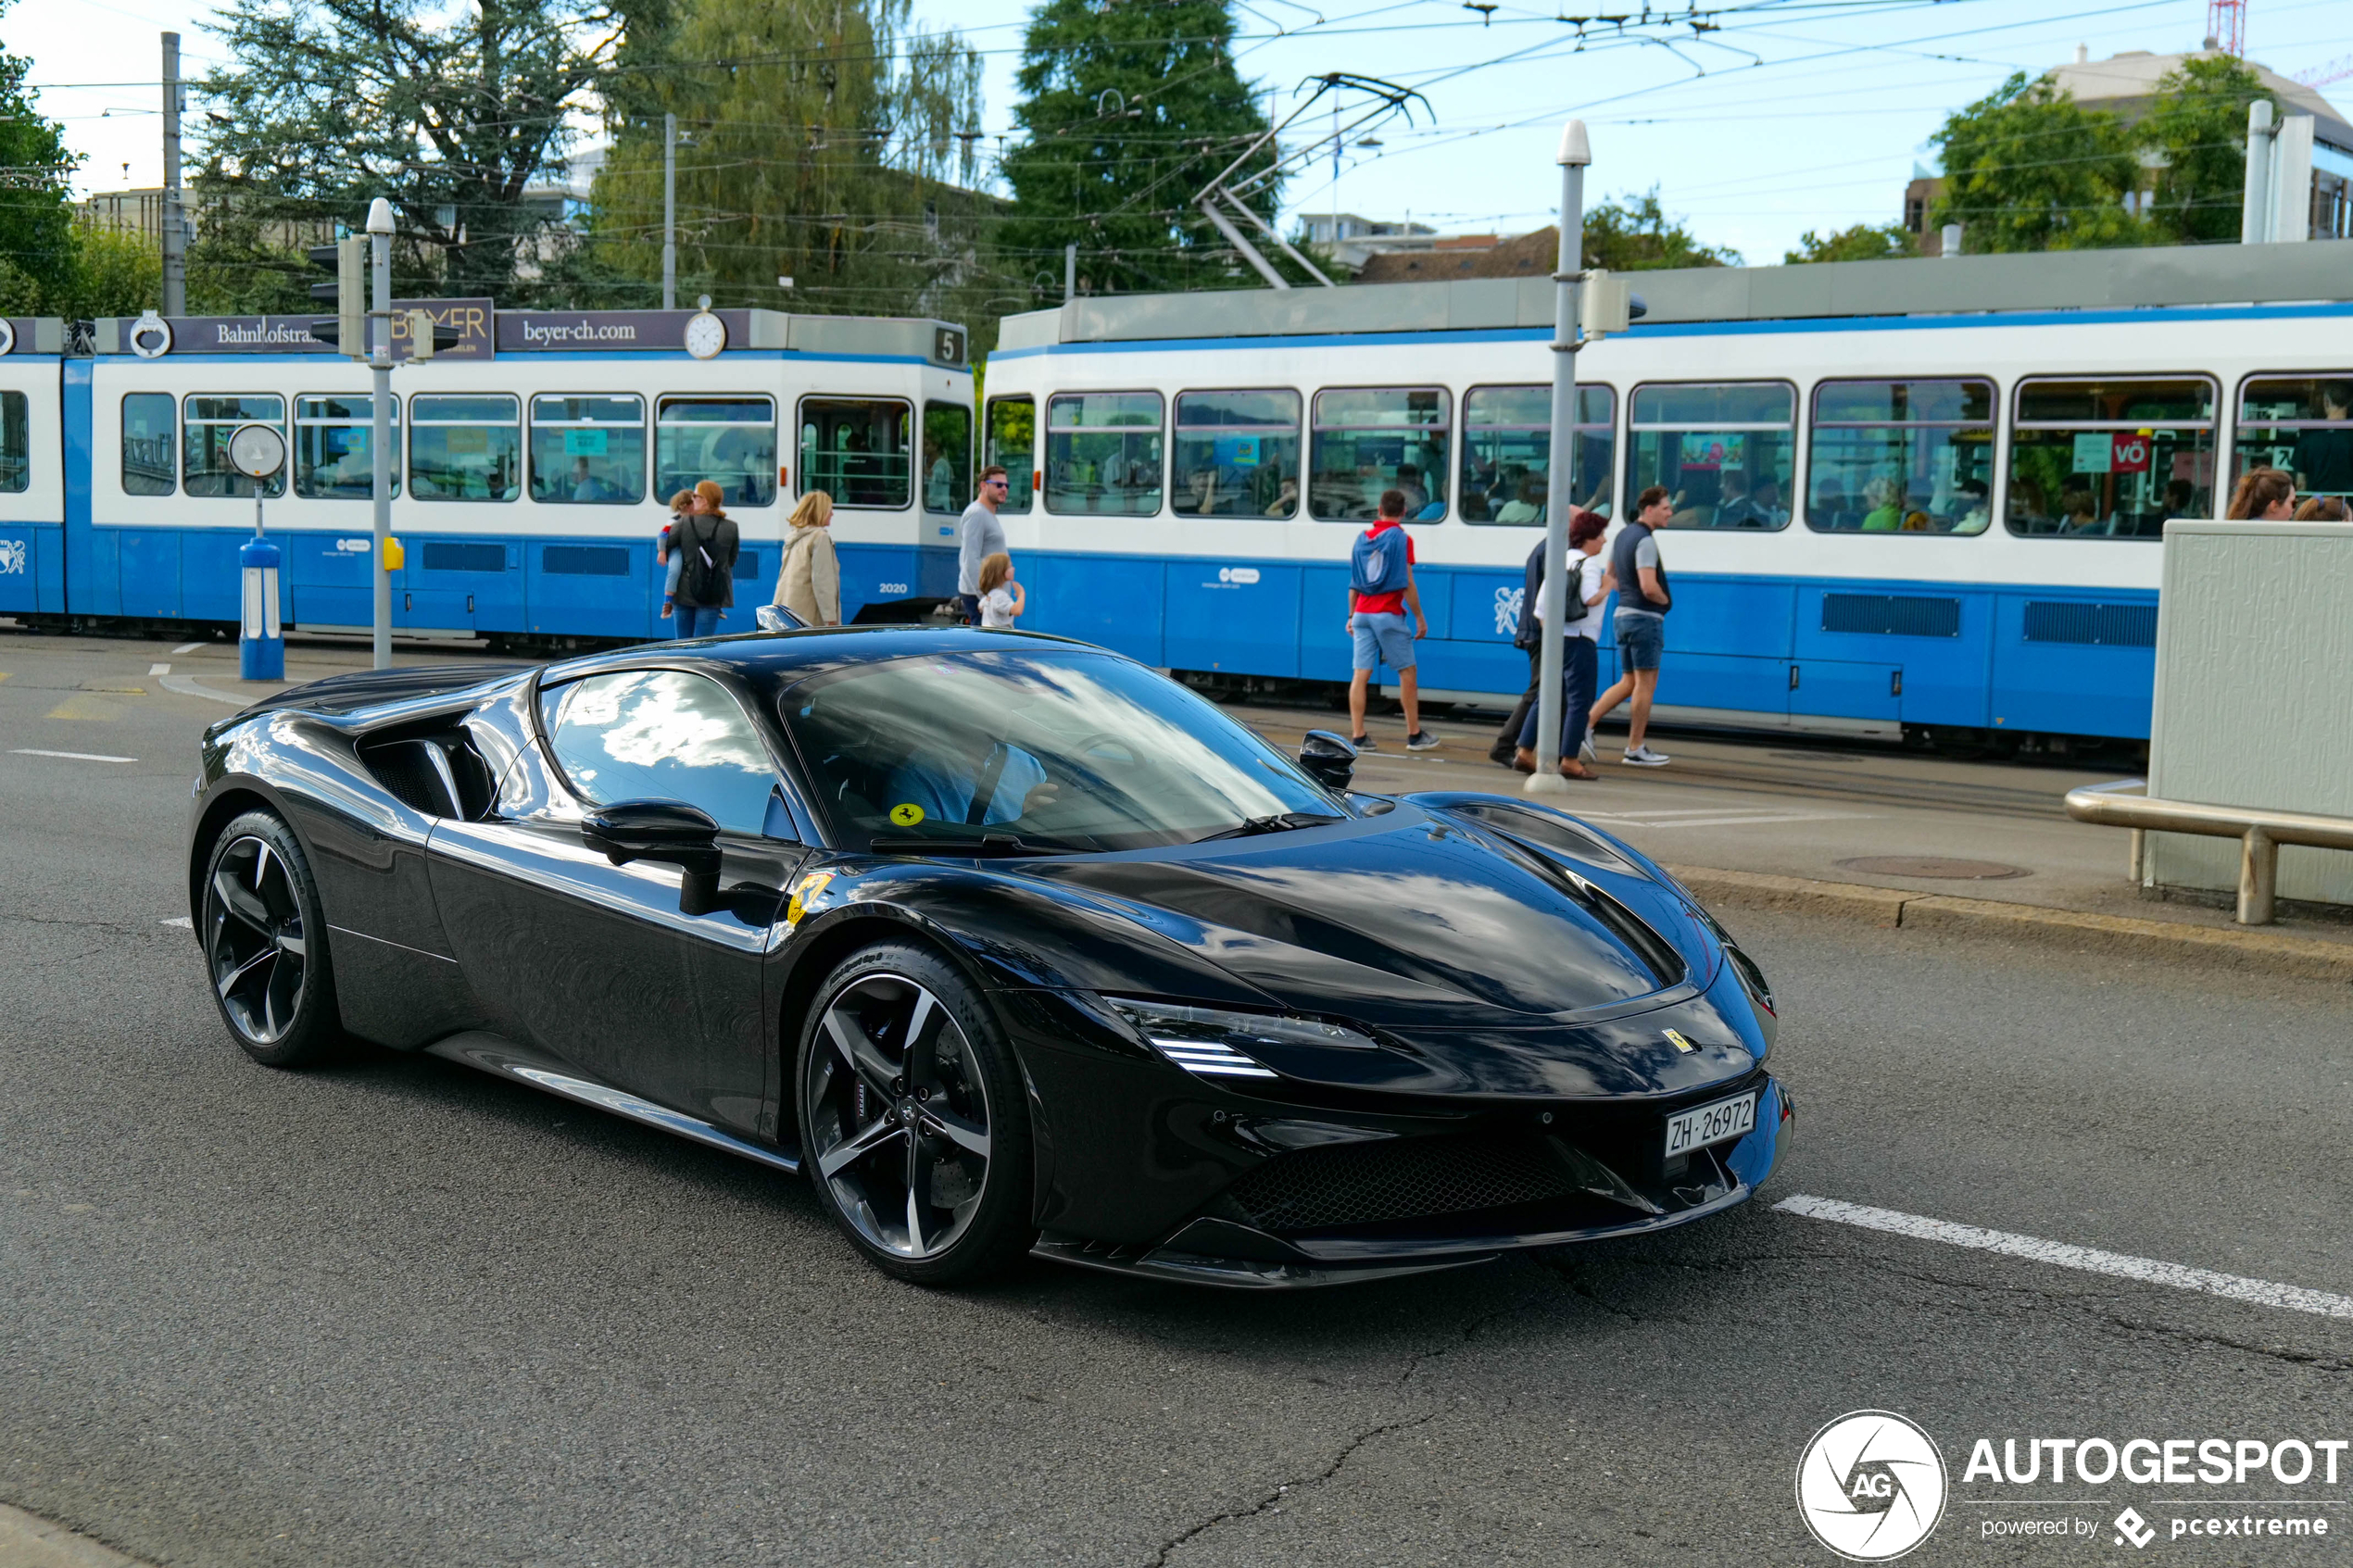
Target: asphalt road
(393, 1313)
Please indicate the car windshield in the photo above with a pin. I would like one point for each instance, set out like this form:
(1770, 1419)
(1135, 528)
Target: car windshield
(1061, 749)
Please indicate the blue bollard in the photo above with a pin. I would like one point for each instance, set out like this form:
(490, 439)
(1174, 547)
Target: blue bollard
(261, 651)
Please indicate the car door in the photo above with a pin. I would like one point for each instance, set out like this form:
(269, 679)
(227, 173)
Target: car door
(622, 970)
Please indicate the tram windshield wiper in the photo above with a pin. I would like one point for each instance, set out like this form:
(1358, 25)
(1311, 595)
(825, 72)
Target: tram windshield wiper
(1250, 827)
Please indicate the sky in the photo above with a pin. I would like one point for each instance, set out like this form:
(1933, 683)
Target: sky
(1795, 115)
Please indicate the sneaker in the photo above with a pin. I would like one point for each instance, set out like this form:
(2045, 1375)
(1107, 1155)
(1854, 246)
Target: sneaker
(1644, 757)
(1421, 740)
(1364, 742)
(1585, 751)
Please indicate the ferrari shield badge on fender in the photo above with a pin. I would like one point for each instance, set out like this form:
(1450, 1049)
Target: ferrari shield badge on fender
(803, 892)
(1675, 1038)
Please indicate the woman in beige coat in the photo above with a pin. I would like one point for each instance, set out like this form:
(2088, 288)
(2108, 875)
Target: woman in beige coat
(809, 578)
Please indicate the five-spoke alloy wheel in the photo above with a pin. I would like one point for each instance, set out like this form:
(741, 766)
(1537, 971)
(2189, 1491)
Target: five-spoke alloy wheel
(912, 1125)
(264, 945)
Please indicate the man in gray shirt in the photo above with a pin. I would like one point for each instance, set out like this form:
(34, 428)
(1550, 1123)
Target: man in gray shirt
(978, 536)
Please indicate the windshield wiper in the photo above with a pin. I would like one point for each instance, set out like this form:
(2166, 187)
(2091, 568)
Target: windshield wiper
(987, 844)
(1251, 826)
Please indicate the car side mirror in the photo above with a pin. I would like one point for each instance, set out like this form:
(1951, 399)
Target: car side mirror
(1328, 759)
(669, 831)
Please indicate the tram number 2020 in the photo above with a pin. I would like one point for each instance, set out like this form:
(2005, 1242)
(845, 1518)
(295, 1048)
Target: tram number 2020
(891, 587)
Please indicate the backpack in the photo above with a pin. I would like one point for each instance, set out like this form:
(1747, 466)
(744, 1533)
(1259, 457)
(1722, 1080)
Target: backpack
(1378, 563)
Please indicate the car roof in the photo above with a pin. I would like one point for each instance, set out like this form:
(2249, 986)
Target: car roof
(782, 657)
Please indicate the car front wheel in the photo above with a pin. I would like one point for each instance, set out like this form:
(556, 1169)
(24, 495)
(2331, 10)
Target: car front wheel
(913, 1123)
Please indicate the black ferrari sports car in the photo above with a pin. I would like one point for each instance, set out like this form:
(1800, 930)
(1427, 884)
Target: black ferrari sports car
(1011, 944)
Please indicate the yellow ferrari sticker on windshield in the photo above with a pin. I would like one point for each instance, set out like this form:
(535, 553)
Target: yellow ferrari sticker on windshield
(907, 814)
(803, 891)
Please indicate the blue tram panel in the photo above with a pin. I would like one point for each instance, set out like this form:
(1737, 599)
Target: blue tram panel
(531, 468)
(1937, 507)
(33, 472)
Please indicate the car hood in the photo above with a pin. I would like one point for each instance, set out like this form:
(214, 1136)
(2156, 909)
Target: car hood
(1409, 921)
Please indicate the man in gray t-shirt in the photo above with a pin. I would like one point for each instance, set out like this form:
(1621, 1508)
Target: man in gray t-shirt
(978, 536)
(1643, 601)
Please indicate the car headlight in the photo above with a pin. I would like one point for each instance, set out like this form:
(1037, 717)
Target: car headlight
(1211, 1043)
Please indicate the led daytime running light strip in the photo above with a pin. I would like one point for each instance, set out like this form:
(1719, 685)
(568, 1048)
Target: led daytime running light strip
(1207, 1059)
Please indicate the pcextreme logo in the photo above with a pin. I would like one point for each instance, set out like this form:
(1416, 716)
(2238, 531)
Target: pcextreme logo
(1870, 1485)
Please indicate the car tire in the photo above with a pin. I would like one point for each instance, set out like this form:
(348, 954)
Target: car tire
(263, 932)
(915, 1125)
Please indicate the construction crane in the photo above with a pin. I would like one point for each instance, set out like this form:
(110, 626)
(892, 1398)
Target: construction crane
(2321, 76)
(2226, 27)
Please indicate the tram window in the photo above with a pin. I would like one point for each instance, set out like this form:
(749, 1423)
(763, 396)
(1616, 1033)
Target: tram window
(2303, 426)
(1236, 454)
(1372, 439)
(1013, 446)
(948, 457)
(2112, 457)
(16, 443)
(1507, 452)
(465, 448)
(588, 451)
(1901, 456)
(150, 444)
(1723, 451)
(211, 419)
(729, 440)
(333, 435)
(855, 450)
(1102, 453)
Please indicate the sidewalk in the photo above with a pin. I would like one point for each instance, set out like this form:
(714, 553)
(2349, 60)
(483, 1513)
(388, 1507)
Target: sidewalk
(1855, 832)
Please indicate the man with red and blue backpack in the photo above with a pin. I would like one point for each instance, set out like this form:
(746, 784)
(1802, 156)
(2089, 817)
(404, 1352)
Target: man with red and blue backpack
(1381, 589)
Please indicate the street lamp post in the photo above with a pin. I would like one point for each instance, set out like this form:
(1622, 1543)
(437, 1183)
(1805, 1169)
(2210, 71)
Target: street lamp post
(1561, 483)
(380, 445)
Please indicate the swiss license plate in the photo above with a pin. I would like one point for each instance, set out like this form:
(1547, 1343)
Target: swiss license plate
(1703, 1125)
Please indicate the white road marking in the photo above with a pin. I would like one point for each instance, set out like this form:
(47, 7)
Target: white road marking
(188, 648)
(158, 669)
(183, 922)
(2066, 1255)
(1739, 822)
(186, 686)
(69, 756)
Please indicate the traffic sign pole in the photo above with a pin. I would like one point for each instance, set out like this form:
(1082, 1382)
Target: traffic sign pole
(380, 362)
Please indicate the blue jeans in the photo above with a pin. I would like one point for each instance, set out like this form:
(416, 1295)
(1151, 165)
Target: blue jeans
(698, 621)
(1579, 666)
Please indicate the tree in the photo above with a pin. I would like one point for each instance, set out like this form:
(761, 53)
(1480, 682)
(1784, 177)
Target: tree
(36, 223)
(1864, 242)
(1632, 235)
(1128, 110)
(326, 104)
(2027, 167)
(818, 138)
(2196, 128)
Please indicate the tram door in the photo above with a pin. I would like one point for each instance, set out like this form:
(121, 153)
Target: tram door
(33, 516)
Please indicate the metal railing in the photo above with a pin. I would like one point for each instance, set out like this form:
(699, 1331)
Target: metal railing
(2125, 804)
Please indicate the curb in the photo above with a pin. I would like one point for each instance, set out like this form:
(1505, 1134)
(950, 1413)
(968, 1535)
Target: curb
(26, 1540)
(2253, 951)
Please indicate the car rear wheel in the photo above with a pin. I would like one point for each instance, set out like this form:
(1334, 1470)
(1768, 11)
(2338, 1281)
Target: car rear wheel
(913, 1127)
(265, 944)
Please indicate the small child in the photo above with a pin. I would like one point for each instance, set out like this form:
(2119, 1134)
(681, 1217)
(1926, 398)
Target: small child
(1002, 599)
(679, 505)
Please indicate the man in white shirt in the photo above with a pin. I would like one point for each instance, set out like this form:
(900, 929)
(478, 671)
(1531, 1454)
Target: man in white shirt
(1580, 646)
(978, 536)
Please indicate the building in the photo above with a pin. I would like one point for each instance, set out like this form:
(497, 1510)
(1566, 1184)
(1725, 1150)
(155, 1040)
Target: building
(2125, 84)
(141, 212)
(1351, 242)
(1468, 256)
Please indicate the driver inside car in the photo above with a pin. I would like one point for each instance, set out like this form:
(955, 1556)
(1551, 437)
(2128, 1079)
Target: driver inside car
(1008, 785)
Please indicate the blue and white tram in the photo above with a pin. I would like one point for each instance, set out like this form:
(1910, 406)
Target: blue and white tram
(530, 474)
(1895, 522)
